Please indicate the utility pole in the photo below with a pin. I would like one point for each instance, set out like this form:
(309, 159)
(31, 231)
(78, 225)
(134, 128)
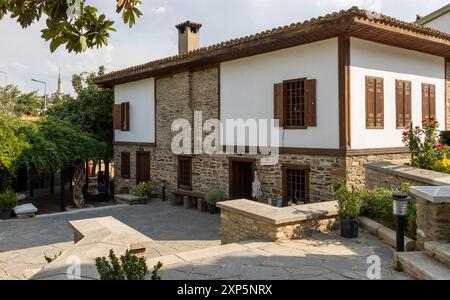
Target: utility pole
(45, 92)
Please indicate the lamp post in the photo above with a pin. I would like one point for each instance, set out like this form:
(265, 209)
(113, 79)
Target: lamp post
(400, 210)
(6, 77)
(45, 92)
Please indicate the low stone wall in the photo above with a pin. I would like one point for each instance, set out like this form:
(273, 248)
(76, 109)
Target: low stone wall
(433, 214)
(392, 175)
(243, 220)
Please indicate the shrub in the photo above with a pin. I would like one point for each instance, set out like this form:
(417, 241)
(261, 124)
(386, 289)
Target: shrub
(424, 146)
(8, 200)
(214, 196)
(143, 189)
(349, 203)
(128, 267)
(442, 165)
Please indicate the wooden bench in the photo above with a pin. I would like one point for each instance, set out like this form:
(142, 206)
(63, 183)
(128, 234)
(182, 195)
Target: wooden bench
(188, 199)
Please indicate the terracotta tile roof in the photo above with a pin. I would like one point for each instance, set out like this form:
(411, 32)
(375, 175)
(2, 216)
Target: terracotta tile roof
(353, 13)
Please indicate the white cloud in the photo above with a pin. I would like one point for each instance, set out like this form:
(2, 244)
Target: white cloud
(159, 10)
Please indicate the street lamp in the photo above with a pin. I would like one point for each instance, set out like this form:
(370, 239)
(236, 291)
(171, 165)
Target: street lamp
(400, 210)
(6, 77)
(45, 92)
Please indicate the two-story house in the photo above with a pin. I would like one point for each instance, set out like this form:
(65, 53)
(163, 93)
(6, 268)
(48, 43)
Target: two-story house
(343, 87)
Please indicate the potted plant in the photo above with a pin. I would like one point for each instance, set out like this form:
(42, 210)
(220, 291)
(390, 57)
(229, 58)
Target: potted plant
(212, 198)
(8, 200)
(349, 206)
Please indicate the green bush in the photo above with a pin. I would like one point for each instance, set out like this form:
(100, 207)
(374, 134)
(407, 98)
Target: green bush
(377, 204)
(349, 203)
(128, 267)
(143, 189)
(214, 196)
(8, 200)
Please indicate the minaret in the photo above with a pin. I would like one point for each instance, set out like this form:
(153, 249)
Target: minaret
(60, 90)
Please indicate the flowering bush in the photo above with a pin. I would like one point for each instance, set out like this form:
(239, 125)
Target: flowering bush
(424, 145)
(143, 189)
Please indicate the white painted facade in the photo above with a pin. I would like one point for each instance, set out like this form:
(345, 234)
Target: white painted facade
(141, 96)
(391, 63)
(246, 91)
(441, 23)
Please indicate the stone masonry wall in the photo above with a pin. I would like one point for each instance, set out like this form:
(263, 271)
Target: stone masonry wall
(235, 227)
(433, 222)
(377, 179)
(356, 170)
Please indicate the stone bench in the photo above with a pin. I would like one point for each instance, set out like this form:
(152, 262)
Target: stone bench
(94, 238)
(243, 219)
(25, 211)
(129, 199)
(188, 199)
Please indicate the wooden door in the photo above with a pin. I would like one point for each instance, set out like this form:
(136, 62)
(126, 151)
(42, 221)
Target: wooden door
(241, 178)
(142, 166)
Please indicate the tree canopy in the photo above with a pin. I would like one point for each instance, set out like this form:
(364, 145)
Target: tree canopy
(72, 23)
(13, 101)
(91, 110)
(44, 144)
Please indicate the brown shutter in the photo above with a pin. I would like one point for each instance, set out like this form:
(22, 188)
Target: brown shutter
(400, 105)
(125, 165)
(425, 102)
(125, 116)
(432, 97)
(407, 104)
(310, 98)
(117, 117)
(278, 106)
(370, 102)
(379, 103)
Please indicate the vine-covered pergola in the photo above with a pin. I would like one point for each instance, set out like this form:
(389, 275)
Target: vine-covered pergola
(48, 145)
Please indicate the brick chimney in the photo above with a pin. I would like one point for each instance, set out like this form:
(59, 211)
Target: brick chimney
(188, 36)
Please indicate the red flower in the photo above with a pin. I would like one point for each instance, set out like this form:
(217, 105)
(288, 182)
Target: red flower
(417, 127)
(405, 133)
(432, 126)
(431, 119)
(424, 121)
(440, 146)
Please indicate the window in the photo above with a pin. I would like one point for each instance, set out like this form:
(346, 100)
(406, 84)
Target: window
(125, 165)
(185, 172)
(403, 103)
(374, 103)
(428, 101)
(295, 103)
(122, 116)
(295, 183)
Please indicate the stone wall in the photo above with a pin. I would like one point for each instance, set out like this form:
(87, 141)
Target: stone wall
(356, 166)
(377, 179)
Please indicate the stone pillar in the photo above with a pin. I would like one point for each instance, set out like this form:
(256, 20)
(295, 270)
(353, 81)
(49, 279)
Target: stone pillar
(433, 214)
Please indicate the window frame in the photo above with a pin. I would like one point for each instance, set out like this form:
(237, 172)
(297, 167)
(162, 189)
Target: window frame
(286, 103)
(299, 167)
(122, 164)
(180, 185)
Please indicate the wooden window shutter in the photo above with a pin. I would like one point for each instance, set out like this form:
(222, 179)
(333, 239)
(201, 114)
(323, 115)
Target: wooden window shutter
(278, 105)
(400, 104)
(311, 102)
(370, 102)
(117, 117)
(125, 112)
(432, 96)
(408, 104)
(425, 102)
(379, 103)
(125, 165)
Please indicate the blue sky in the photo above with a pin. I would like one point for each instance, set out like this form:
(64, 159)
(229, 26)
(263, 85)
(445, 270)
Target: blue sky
(24, 55)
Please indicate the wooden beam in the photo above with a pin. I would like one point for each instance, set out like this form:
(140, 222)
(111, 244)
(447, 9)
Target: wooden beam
(447, 93)
(344, 91)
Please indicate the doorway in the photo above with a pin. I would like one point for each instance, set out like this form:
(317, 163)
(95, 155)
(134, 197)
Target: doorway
(241, 172)
(142, 166)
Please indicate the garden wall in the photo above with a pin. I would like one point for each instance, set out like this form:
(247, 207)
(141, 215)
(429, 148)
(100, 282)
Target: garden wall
(392, 174)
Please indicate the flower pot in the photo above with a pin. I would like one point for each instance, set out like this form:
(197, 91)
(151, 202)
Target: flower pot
(5, 215)
(213, 209)
(349, 228)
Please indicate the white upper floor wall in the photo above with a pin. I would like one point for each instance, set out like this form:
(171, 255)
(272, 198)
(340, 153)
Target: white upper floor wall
(390, 63)
(141, 96)
(247, 91)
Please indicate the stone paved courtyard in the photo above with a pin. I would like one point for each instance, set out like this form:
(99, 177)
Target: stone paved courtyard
(24, 244)
(321, 257)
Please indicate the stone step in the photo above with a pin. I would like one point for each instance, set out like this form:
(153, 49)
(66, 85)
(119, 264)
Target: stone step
(440, 251)
(421, 266)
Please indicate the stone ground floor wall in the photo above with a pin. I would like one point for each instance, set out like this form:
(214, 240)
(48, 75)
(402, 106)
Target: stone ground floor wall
(379, 179)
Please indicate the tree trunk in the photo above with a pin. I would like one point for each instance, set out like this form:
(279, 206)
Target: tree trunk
(78, 179)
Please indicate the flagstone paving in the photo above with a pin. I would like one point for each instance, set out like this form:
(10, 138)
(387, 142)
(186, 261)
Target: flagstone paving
(324, 256)
(25, 243)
